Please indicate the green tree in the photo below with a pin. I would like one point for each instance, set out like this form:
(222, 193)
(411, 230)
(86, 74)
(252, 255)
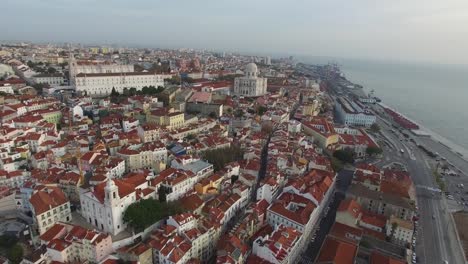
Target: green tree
(375, 128)
(146, 212)
(125, 91)
(114, 92)
(344, 155)
(7, 241)
(38, 87)
(15, 254)
(336, 164)
(234, 178)
(213, 115)
(371, 151)
(261, 110)
(138, 68)
(222, 156)
(239, 113)
(51, 70)
(162, 193)
(132, 91)
(173, 80)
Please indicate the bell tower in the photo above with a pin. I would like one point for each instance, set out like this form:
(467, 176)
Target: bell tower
(112, 192)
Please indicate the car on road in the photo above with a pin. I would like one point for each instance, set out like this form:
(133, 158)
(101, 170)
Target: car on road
(433, 216)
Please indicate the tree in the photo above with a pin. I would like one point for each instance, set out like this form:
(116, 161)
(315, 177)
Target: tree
(261, 110)
(15, 254)
(51, 70)
(138, 68)
(125, 91)
(375, 128)
(222, 156)
(132, 91)
(371, 151)
(393, 230)
(38, 87)
(344, 155)
(146, 212)
(190, 137)
(336, 164)
(114, 93)
(7, 241)
(213, 115)
(234, 178)
(162, 194)
(239, 113)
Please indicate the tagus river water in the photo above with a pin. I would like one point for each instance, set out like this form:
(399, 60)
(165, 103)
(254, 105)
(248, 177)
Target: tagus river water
(435, 96)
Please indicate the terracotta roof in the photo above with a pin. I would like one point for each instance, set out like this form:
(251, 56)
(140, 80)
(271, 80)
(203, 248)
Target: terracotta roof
(373, 219)
(378, 258)
(47, 199)
(337, 252)
(293, 207)
(53, 232)
(351, 206)
(124, 187)
(345, 232)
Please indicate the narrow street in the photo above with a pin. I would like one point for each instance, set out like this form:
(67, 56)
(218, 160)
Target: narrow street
(344, 179)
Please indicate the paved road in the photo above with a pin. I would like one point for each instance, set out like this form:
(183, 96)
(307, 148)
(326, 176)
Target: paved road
(343, 181)
(436, 238)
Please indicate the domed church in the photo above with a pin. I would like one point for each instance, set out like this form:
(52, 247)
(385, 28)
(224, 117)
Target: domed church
(250, 85)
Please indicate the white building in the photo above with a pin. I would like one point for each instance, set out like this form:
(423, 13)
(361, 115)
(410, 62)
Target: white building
(400, 231)
(353, 113)
(77, 67)
(281, 247)
(13, 179)
(100, 84)
(103, 206)
(49, 205)
(69, 243)
(6, 89)
(268, 190)
(50, 79)
(250, 85)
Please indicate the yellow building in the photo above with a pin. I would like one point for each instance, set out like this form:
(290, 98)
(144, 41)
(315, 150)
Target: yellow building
(174, 120)
(164, 118)
(311, 109)
(209, 185)
(322, 131)
(94, 50)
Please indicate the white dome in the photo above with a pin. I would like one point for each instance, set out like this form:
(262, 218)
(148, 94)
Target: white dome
(251, 67)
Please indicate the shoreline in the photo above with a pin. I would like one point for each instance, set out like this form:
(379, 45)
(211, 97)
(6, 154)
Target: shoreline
(452, 146)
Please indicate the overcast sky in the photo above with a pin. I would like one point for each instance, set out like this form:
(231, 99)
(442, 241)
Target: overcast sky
(414, 30)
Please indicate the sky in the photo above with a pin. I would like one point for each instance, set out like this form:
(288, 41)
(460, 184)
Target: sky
(408, 30)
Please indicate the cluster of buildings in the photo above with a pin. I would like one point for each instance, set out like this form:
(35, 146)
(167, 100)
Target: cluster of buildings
(76, 162)
(353, 113)
(375, 222)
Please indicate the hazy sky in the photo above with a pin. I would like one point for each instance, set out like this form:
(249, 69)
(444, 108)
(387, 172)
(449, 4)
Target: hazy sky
(419, 30)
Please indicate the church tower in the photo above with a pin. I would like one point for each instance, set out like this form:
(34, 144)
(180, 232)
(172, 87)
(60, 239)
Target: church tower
(112, 193)
(71, 68)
